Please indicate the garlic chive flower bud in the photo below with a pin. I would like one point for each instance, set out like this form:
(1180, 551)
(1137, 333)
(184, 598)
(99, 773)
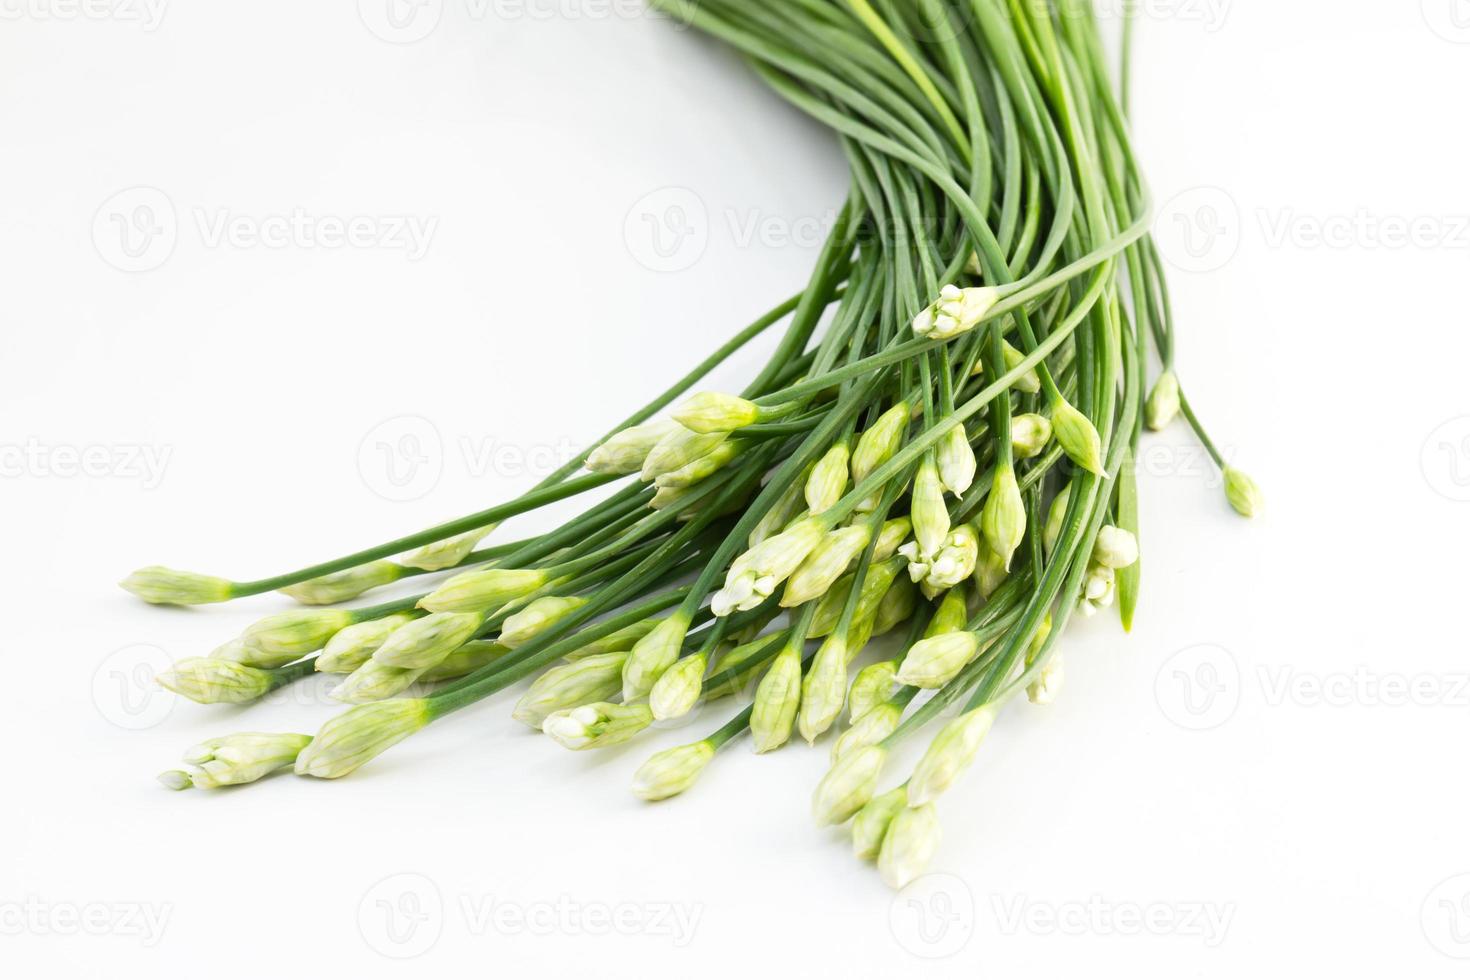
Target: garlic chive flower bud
(466, 660)
(828, 562)
(346, 584)
(930, 664)
(237, 759)
(1030, 381)
(871, 824)
(776, 700)
(1099, 589)
(882, 439)
(954, 562)
(1115, 548)
(696, 471)
(1054, 517)
(483, 589)
(447, 553)
(597, 726)
(755, 575)
(242, 651)
(1029, 435)
(872, 686)
(296, 633)
(896, 606)
(584, 681)
(928, 511)
(828, 478)
(359, 734)
(1242, 493)
(711, 411)
(823, 689)
(1163, 402)
(1077, 436)
(653, 655)
(951, 615)
(956, 311)
(1003, 521)
(352, 646)
(425, 642)
(626, 452)
(956, 461)
(678, 449)
(848, 785)
(909, 845)
(375, 681)
(990, 572)
(872, 727)
(893, 534)
(787, 506)
(211, 681)
(176, 779)
(672, 771)
(622, 640)
(951, 752)
(1048, 683)
(538, 617)
(677, 691)
(168, 587)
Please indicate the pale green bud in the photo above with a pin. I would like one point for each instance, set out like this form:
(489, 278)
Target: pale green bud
(346, 584)
(466, 660)
(677, 690)
(877, 584)
(626, 452)
(930, 664)
(210, 681)
(538, 617)
(296, 633)
(354, 645)
(1048, 683)
(483, 589)
(909, 845)
(990, 572)
(1003, 521)
(1242, 493)
(779, 517)
(746, 660)
(883, 438)
(623, 639)
(951, 752)
(828, 479)
(597, 726)
(871, 823)
(375, 681)
(672, 771)
(755, 575)
(1115, 547)
(1077, 436)
(848, 785)
(928, 511)
(236, 759)
(1054, 518)
(584, 681)
(896, 606)
(1163, 402)
(1099, 589)
(427, 641)
(678, 449)
(653, 655)
(176, 779)
(872, 727)
(1030, 381)
(823, 689)
(702, 468)
(242, 651)
(711, 411)
(447, 552)
(1043, 632)
(951, 565)
(956, 461)
(828, 562)
(1029, 435)
(359, 734)
(776, 700)
(168, 587)
(872, 687)
(893, 534)
(951, 616)
(955, 312)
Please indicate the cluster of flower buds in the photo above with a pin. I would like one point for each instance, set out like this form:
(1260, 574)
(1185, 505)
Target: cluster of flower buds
(955, 312)
(952, 563)
(755, 575)
(235, 759)
(598, 725)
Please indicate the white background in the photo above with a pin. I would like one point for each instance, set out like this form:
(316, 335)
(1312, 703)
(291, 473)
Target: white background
(1245, 771)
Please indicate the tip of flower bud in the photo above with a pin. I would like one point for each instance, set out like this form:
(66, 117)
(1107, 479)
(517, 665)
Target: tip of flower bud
(1163, 402)
(1242, 493)
(712, 411)
(175, 779)
(170, 587)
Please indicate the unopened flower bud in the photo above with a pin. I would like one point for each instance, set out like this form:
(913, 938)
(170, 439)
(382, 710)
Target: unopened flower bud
(168, 587)
(1077, 436)
(909, 845)
(955, 312)
(236, 759)
(930, 664)
(466, 660)
(953, 563)
(779, 517)
(755, 575)
(1054, 518)
(712, 411)
(896, 606)
(677, 690)
(872, 686)
(777, 699)
(872, 822)
(894, 533)
(1030, 381)
(848, 785)
(678, 449)
(823, 689)
(427, 641)
(483, 589)
(672, 771)
(1003, 521)
(951, 616)
(1242, 493)
(951, 752)
(828, 479)
(176, 779)
(653, 655)
(352, 646)
(623, 639)
(360, 734)
(828, 562)
(1115, 547)
(242, 651)
(447, 552)
(990, 572)
(1048, 683)
(928, 511)
(346, 584)
(956, 460)
(211, 681)
(1163, 402)
(874, 725)
(1099, 588)
(882, 439)
(597, 726)
(584, 681)
(538, 617)
(696, 471)
(626, 452)
(296, 633)
(1029, 435)
(376, 681)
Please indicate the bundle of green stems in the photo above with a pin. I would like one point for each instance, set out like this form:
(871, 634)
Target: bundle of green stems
(941, 448)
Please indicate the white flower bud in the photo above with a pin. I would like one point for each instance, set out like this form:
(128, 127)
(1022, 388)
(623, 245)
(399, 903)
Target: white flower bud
(823, 689)
(1077, 436)
(346, 584)
(872, 686)
(466, 660)
(828, 562)
(359, 734)
(872, 727)
(244, 758)
(626, 452)
(909, 845)
(672, 771)
(296, 633)
(352, 646)
(427, 641)
(953, 563)
(871, 823)
(1003, 521)
(584, 681)
(678, 449)
(1048, 683)
(483, 589)
(375, 681)
(597, 726)
(1099, 589)
(210, 681)
(1029, 435)
(1242, 493)
(928, 510)
(776, 700)
(538, 617)
(761, 570)
(930, 664)
(1163, 402)
(653, 655)
(882, 439)
(711, 411)
(951, 752)
(447, 552)
(168, 587)
(956, 461)
(893, 534)
(677, 691)
(828, 479)
(1115, 547)
(955, 312)
(696, 471)
(848, 785)
(176, 779)
(242, 651)
(896, 606)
